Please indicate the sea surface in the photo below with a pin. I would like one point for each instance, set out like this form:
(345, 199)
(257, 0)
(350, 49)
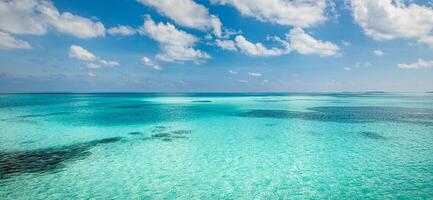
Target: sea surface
(216, 146)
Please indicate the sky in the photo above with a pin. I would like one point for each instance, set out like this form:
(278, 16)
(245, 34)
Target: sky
(216, 45)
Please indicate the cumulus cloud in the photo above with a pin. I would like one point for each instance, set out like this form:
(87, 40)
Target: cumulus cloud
(148, 62)
(345, 43)
(254, 74)
(417, 65)
(226, 44)
(93, 61)
(37, 16)
(387, 20)
(9, 42)
(301, 13)
(306, 44)
(358, 65)
(81, 53)
(258, 49)
(176, 45)
(121, 30)
(187, 13)
(378, 53)
(295, 40)
(232, 72)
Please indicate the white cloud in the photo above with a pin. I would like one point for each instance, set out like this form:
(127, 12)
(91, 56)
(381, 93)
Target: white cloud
(176, 45)
(387, 20)
(108, 63)
(93, 61)
(232, 72)
(347, 68)
(345, 43)
(254, 74)
(37, 16)
(9, 42)
(296, 40)
(72, 24)
(121, 30)
(91, 74)
(305, 44)
(80, 53)
(378, 53)
(21, 17)
(102, 63)
(257, 49)
(301, 13)
(226, 44)
(360, 65)
(148, 62)
(93, 65)
(417, 65)
(187, 13)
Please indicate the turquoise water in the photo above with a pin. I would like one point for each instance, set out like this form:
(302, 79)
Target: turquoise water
(216, 146)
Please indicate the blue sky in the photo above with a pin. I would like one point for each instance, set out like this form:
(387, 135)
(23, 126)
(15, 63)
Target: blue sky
(215, 45)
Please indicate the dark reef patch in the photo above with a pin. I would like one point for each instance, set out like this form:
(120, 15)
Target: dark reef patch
(273, 100)
(44, 115)
(372, 135)
(201, 101)
(343, 114)
(23, 117)
(179, 136)
(181, 132)
(45, 160)
(135, 133)
(270, 125)
(130, 106)
(161, 135)
(168, 136)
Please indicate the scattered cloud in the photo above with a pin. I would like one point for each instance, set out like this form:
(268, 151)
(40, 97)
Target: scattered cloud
(378, 53)
(226, 44)
(347, 68)
(257, 49)
(37, 16)
(296, 40)
(148, 62)
(345, 43)
(387, 20)
(93, 61)
(176, 45)
(9, 42)
(306, 44)
(300, 13)
(232, 72)
(121, 30)
(242, 81)
(187, 13)
(80, 53)
(358, 65)
(91, 74)
(254, 74)
(227, 33)
(417, 65)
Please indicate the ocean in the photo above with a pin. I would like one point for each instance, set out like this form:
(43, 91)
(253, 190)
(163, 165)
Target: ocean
(216, 146)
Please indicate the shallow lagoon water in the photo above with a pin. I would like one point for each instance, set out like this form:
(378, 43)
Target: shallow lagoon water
(216, 146)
